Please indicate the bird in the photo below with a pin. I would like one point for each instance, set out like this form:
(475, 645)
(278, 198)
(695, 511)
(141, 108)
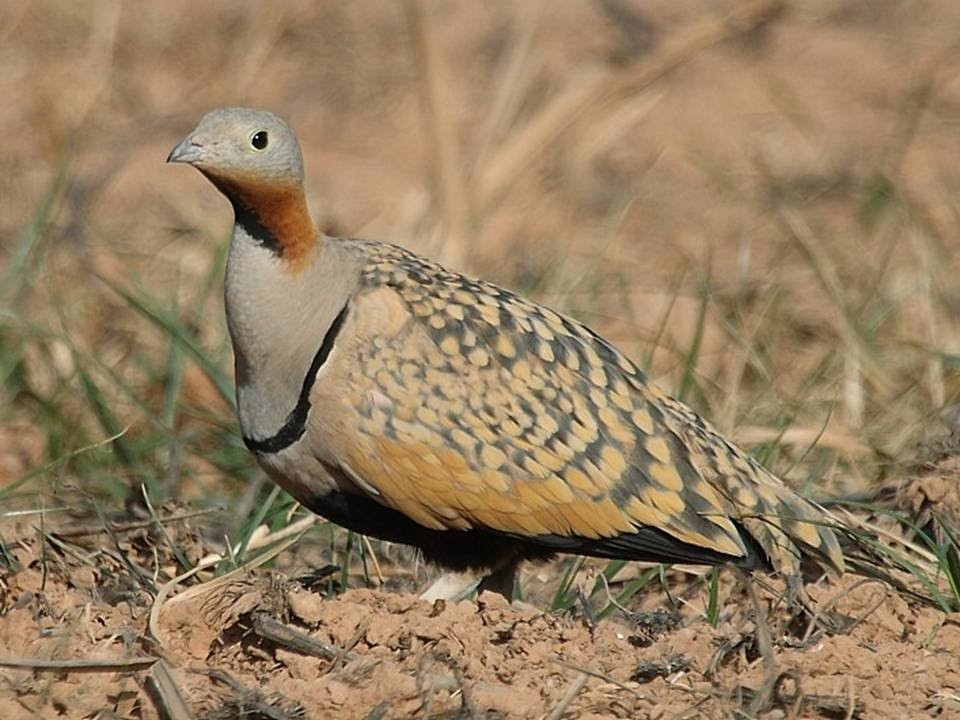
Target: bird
(412, 403)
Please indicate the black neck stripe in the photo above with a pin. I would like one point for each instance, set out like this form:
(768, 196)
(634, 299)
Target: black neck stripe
(250, 221)
(296, 424)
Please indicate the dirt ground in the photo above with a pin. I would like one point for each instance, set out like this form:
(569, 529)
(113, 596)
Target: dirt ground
(262, 644)
(760, 209)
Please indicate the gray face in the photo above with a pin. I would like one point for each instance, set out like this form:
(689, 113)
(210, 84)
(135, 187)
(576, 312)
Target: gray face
(242, 144)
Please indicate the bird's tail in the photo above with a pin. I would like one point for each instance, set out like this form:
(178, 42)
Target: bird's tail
(791, 530)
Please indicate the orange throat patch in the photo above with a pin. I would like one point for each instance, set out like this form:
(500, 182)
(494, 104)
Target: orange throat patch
(274, 213)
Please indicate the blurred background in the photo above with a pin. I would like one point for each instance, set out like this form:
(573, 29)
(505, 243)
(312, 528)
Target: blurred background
(757, 201)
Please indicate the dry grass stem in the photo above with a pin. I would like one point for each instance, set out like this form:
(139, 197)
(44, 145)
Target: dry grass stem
(80, 665)
(575, 687)
(441, 126)
(166, 696)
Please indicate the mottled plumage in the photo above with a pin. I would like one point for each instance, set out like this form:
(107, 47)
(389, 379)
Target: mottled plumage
(416, 404)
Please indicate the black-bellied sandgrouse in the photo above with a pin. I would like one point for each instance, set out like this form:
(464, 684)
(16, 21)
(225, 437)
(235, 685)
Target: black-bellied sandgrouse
(411, 403)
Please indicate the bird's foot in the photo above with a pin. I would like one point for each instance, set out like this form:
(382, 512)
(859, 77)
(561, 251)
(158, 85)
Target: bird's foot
(456, 586)
(452, 587)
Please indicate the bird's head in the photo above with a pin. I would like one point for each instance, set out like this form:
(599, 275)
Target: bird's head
(241, 146)
(253, 158)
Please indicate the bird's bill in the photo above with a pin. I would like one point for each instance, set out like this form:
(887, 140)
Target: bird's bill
(186, 151)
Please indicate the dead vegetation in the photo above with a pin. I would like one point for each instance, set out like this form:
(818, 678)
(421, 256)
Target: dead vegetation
(86, 634)
(756, 200)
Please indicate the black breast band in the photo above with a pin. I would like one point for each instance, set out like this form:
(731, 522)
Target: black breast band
(296, 423)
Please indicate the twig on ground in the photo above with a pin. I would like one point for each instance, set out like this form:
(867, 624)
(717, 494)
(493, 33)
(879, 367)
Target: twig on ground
(345, 653)
(839, 595)
(166, 696)
(575, 687)
(428, 683)
(88, 665)
(153, 623)
(290, 637)
(132, 525)
(851, 699)
(765, 646)
(249, 702)
(229, 577)
(599, 675)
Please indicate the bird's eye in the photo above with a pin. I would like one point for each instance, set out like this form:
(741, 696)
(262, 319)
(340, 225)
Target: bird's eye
(259, 140)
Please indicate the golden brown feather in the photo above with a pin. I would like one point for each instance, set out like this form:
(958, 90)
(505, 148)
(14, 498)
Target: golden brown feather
(485, 410)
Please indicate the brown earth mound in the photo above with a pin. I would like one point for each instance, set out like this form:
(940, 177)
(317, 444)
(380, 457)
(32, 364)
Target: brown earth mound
(77, 619)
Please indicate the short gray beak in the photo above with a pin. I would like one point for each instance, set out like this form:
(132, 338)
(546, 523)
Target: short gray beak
(187, 151)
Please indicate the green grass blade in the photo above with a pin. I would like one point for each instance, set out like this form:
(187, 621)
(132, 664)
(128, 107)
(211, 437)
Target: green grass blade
(167, 322)
(256, 521)
(693, 354)
(22, 260)
(345, 562)
(713, 597)
(950, 558)
(564, 598)
(7, 491)
(628, 591)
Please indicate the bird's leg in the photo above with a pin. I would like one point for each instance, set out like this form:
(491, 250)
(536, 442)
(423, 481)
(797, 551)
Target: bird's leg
(502, 580)
(454, 586)
(451, 586)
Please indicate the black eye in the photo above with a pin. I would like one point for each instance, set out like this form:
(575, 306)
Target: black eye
(259, 139)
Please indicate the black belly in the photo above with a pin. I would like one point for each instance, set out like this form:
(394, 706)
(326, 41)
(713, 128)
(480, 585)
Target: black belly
(490, 549)
(453, 549)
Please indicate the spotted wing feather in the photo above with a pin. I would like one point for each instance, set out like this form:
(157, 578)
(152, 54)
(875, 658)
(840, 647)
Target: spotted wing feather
(485, 410)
